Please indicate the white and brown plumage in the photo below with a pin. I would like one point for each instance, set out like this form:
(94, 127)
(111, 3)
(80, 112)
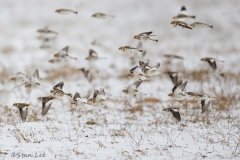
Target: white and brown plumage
(88, 75)
(57, 90)
(182, 15)
(149, 71)
(99, 98)
(204, 99)
(178, 90)
(23, 109)
(34, 80)
(93, 56)
(212, 62)
(175, 112)
(173, 76)
(145, 36)
(201, 25)
(45, 105)
(132, 89)
(46, 31)
(136, 73)
(63, 54)
(129, 49)
(20, 78)
(173, 56)
(181, 24)
(102, 16)
(66, 11)
(78, 101)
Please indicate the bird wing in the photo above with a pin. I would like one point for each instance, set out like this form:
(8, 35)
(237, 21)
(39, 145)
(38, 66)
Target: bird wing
(45, 109)
(205, 104)
(65, 49)
(175, 114)
(212, 64)
(174, 77)
(133, 69)
(23, 113)
(134, 85)
(177, 85)
(59, 86)
(102, 92)
(35, 76)
(95, 94)
(146, 33)
(92, 53)
(76, 96)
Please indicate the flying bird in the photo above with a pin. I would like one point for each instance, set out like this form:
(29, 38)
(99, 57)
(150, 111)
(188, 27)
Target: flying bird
(145, 36)
(23, 110)
(178, 90)
(175, 112)
(57, 90)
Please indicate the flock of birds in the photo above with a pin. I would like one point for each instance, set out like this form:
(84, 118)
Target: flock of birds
(139, 73)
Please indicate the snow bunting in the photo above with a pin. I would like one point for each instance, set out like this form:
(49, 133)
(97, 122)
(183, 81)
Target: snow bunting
(66, 11)
(23, 109)
(46, 31)
(149, 71)
(182, 15)
(132, 89)
(63, 54)
(175, 112)
(211, 62)
(178, 90)
(173, 76)
(204, 99)
(20, 78)
(136, 73)
(181, 24)
(145, 36)
(102, 16)
(34, 80)
(93, 56)
(78, 101)
(173, 56)
(87, 74)
(98, 99)
(200, 25)
(129, 49)
(57, 90)
(46, 107)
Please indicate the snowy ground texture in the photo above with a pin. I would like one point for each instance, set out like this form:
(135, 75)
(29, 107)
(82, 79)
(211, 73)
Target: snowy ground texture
(125, 128)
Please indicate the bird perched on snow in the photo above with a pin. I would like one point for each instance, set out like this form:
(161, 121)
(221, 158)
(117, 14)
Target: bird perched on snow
(23, 110)
(57, 90)
(204, 99)
(175, 112)
(178, 90)
(132, 89)
(145, 36)
(63, 54)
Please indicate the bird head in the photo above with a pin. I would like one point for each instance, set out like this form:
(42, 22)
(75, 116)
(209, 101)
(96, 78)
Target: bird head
(125, 91)
(121, 48)
(136, 37)
(170, 94)
(203, 59)
(130, 75)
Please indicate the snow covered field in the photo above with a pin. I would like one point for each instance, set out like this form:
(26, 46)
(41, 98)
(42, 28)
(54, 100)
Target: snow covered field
(126, 127)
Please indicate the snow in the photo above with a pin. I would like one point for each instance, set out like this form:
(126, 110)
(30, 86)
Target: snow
(126, 128)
